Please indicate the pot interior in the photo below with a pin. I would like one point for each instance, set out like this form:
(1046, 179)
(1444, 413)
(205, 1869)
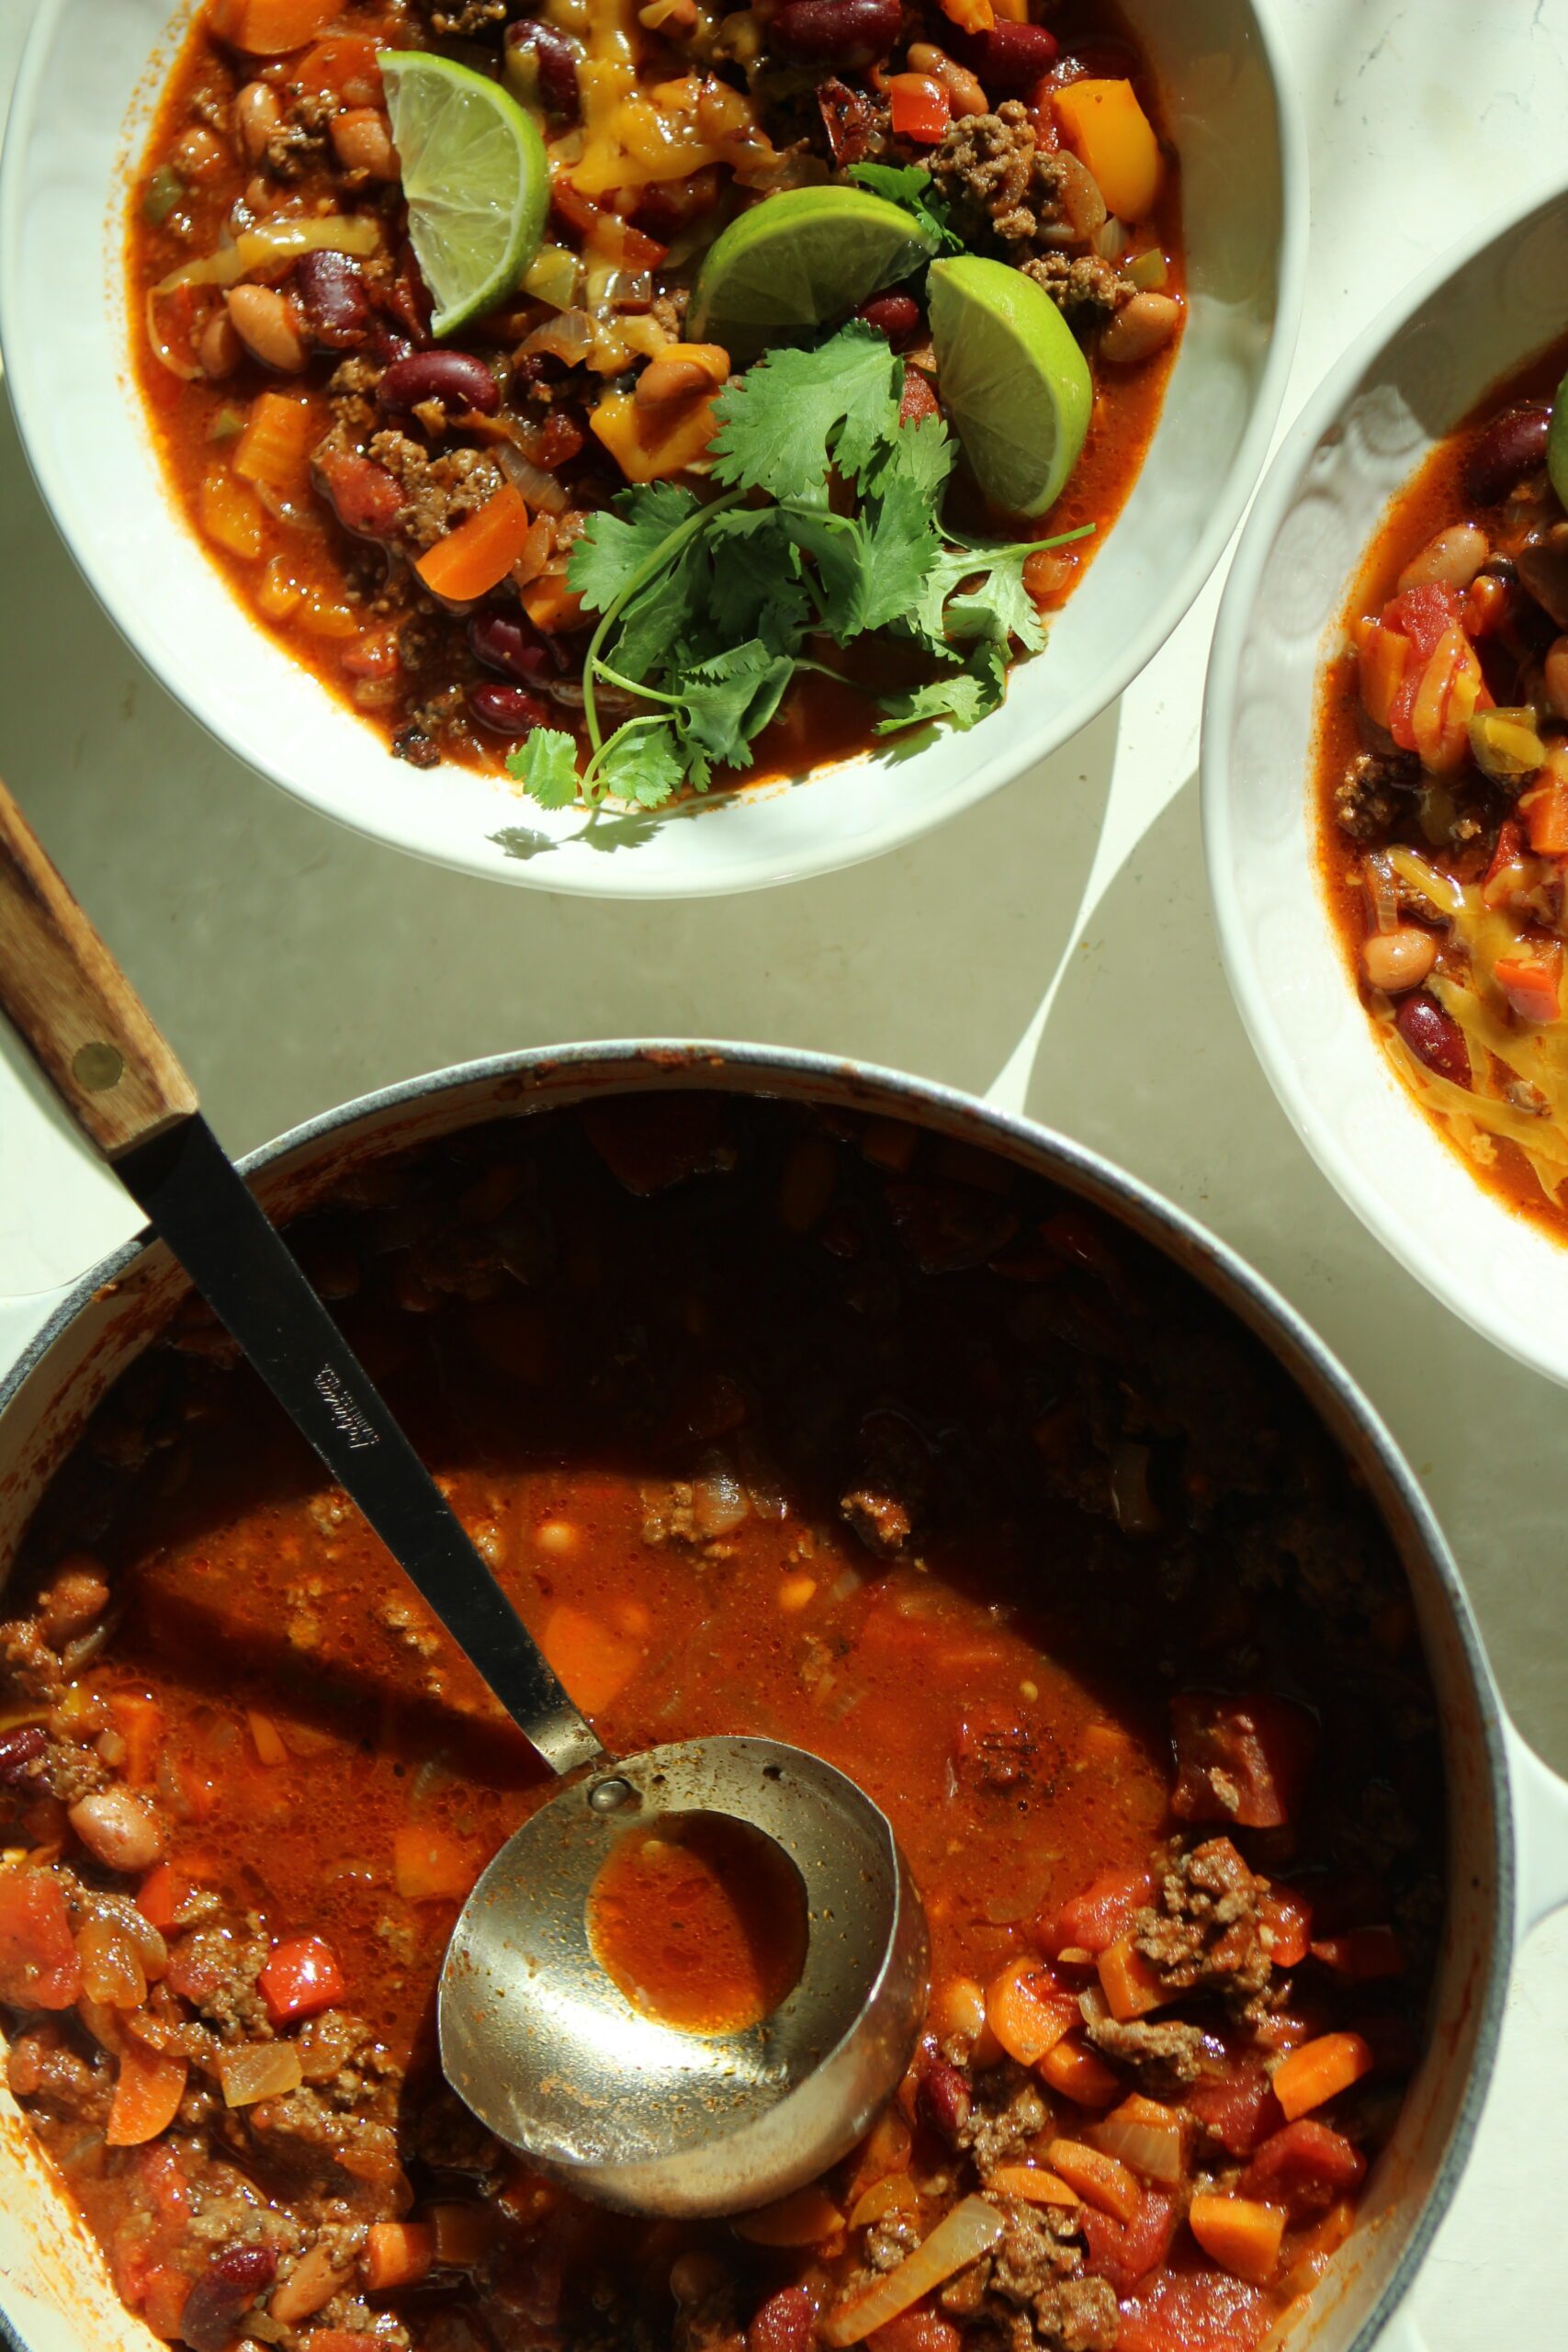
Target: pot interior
(54, 2286)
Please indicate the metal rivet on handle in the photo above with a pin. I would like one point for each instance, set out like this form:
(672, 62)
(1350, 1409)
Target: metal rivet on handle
(97, 1067)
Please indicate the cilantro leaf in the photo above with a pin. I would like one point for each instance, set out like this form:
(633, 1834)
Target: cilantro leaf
(964, 697)
(756, 588)
(641, 763)
(999, 605)
(922, 454)
(785, 420)
(619, 541)
(647, 629)
(910, 187)
(837, 543)
(901, 543)
(730, 700)
(545, 766)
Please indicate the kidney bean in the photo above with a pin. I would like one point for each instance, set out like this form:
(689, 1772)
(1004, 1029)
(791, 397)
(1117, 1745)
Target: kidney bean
(456, 378)
(556, 61)
(231, 2282)
(918, 401)
(1434, 1037)
(334, 299)
(897, 316)
(1544, 572)
(1008, 58)
(786, 2323)
(1512, 445)
(366, 498)
(507, 710)
(942, 2101)
(843, 33)
(19, 1748)
(506, 642)
(405, 299)
(387, 347)
(1096, 59)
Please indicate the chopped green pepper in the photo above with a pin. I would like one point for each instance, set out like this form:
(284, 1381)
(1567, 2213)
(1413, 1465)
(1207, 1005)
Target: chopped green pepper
(161, 192)
(1507, 743)
(226, 423)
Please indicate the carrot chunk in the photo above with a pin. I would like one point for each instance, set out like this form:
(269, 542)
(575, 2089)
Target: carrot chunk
(1026, 2013)
(1130, 1984)
(1032, 2184)
(1241, 2236)
(472, 560)
(1079, 2075)
(1102, 2181)
(398, 2254)
(147, 2095)
(1319, 2070)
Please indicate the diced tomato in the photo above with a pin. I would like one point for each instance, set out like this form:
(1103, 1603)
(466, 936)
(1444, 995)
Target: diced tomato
(1363, 1954)
(615, 239)
(1304, 2167)
(160, 2297)
(1244, 1759)
(1098, 1918)
(1506, 870)
(38, 1968)
(1425, 616)
(1288, 1920)
(916, 2331)
(162, 1896)
(1196, 2311)
(1238, 2107)
(300, 1978)
(1545, 811)
(1124, 2252)
(195, 1971)
(917, 401)
(1533, 983)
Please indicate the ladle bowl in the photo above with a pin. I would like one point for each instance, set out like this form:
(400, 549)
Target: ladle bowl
(548, 2051)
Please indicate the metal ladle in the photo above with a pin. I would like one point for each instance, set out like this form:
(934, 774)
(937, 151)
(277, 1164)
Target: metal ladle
(535, 2034)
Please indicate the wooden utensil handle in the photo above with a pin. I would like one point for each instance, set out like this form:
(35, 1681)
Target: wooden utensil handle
(74, 1007)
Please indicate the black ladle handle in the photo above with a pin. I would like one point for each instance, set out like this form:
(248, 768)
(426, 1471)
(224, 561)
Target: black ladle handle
(101, 1051)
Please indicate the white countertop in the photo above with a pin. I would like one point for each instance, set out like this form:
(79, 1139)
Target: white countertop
(1053, 951)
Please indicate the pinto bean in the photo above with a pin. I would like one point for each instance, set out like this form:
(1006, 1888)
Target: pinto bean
(218, 349)
(684, 372)
(334, 299)
(117, 1829)
(263, 320)
(897, 316)
(364, 497)
(963, 91)
(555, 61)
(1398, 959)
(507, 710)
(845, 34)
(361, 140)
(1434, 1037)
(256, 116)
(456, 378)
(1140, 328)
(233, 2281)
(1503, 452)
(1451, 560)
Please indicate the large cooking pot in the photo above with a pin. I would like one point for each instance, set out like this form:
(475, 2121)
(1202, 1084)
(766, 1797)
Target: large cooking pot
(1507, 1852)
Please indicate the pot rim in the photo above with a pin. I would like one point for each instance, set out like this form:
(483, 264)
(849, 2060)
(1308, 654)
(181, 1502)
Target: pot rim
(1211, 1260)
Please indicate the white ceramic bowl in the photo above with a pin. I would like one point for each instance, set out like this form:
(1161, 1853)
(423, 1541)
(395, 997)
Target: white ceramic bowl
(88, 80)
(1480, 312)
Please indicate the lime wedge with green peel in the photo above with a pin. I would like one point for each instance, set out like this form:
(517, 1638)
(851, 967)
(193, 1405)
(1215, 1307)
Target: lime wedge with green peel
(1557, 444)
(476, 178)
(797, 260)
(1013, 381)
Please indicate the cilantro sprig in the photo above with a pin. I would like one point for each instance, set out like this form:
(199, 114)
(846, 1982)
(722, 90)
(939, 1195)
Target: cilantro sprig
(705, 606)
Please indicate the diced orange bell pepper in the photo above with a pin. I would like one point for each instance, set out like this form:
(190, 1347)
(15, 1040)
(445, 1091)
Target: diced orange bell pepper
(806, 2217)
(970, 15)
(1238, 2233)
(472, 560)
(651, 444)
(1115, 138)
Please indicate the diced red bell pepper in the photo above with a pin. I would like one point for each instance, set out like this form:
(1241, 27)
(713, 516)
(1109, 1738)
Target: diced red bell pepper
(1244, 1759)
(921, 108)
(1238, 2107)
(1287, 1919)
(1124, 2252)
(300, 1978)
(38, 1967)
(1533, 983)
(1305, 2167)
(1507, 869)
(1098, 1918)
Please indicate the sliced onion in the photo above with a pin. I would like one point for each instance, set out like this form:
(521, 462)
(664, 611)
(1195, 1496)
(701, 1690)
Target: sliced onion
(1109, 240)
(1144, 2136)
(1379, 877)
(259, 2070)
(539, 489)
(568, 338)
(719, 1501)
(959, 2238)
(117, 1958)
(162, 351)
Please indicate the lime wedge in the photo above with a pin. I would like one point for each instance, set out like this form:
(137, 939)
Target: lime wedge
(1557, 444)
(796, 261)
(1015, 385)
(474, 177)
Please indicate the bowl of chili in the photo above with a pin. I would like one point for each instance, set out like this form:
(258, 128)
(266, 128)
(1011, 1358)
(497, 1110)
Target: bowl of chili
(769, 1384)
(1381, 757)
(293, 496)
